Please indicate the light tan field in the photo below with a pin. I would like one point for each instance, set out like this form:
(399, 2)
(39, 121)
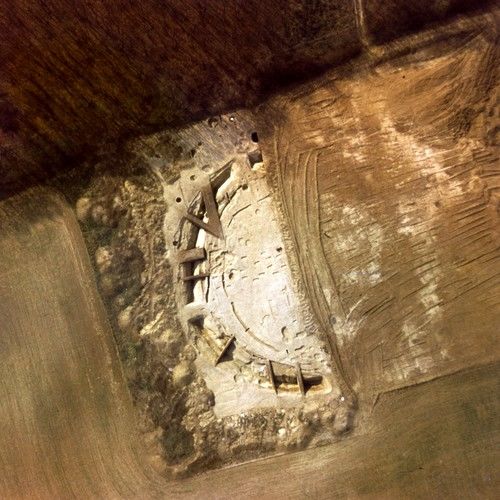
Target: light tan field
(67, 423)
(390, 183)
